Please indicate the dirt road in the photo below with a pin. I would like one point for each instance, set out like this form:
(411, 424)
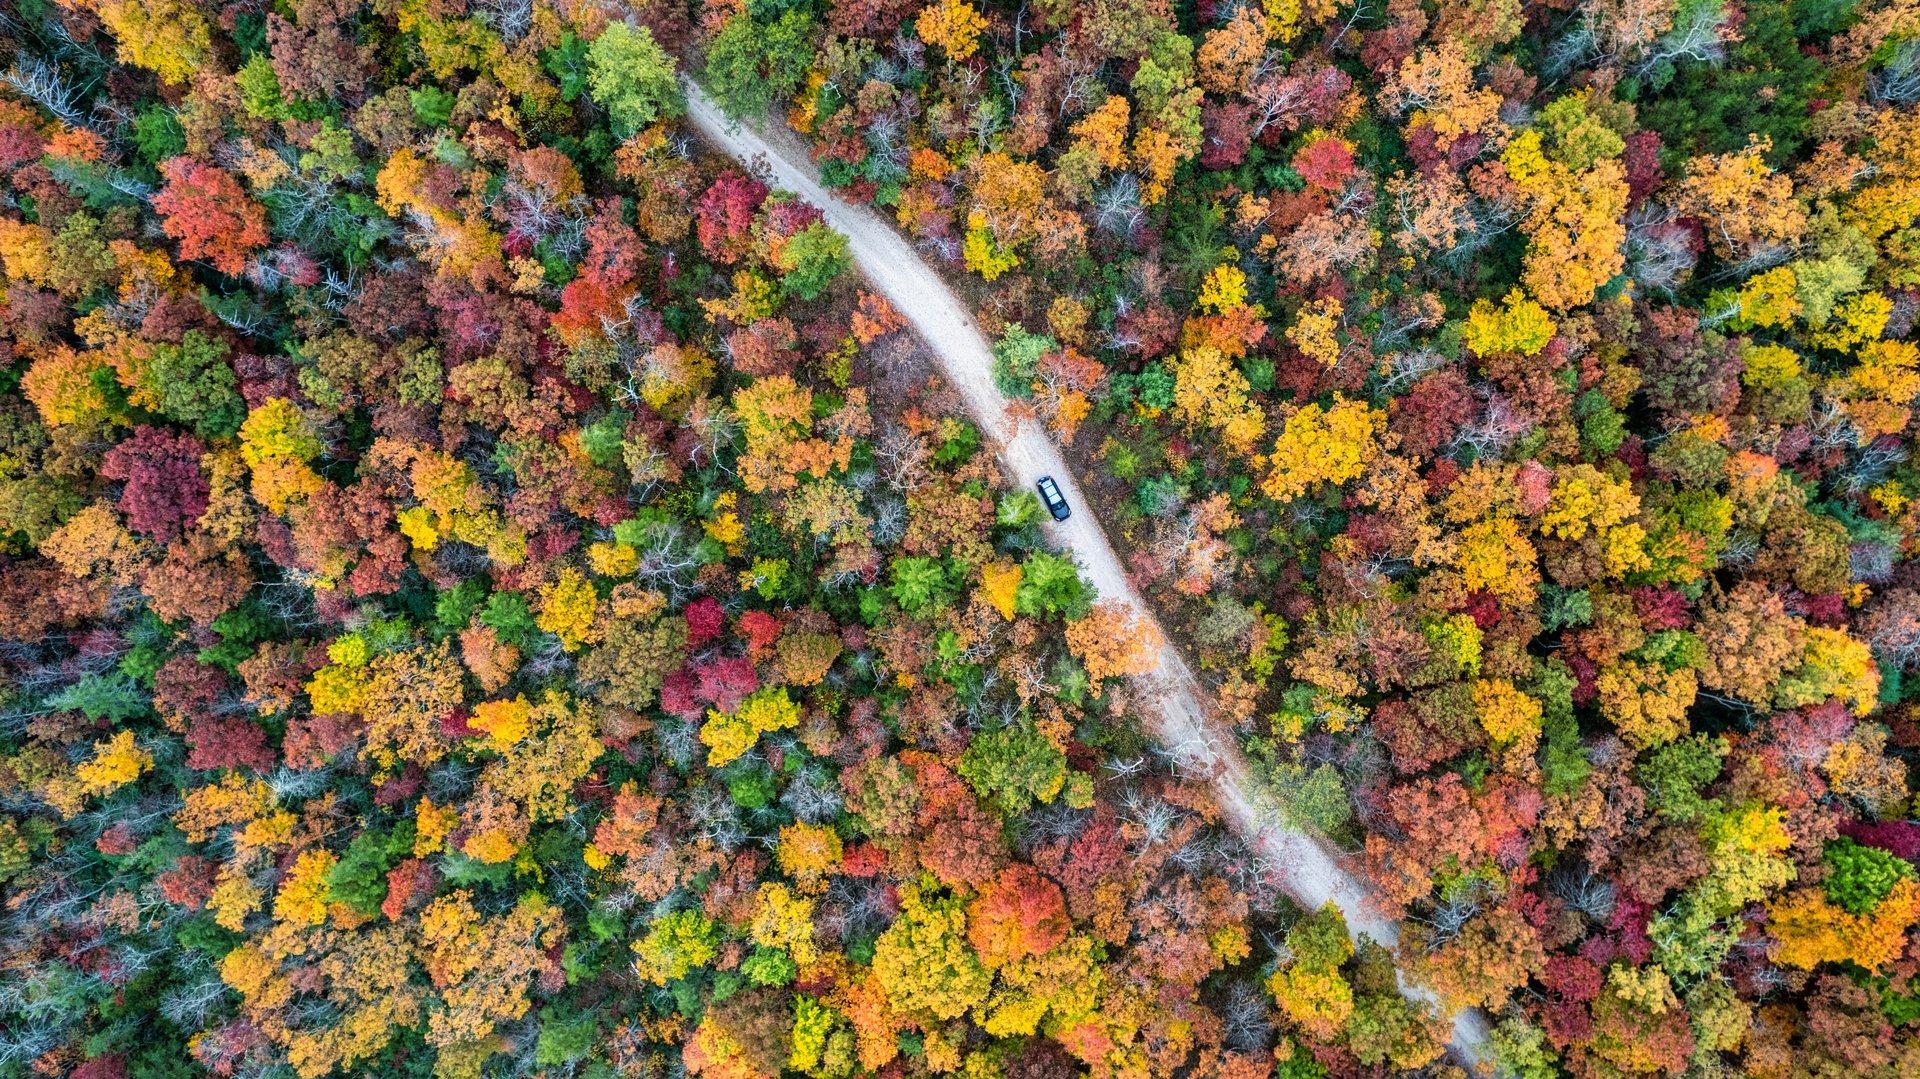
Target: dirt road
(1172, 698)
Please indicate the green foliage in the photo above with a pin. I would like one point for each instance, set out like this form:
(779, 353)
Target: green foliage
(565, 1038)
(918, 583)
(769, 967)
(432, 106)
(157, 134)
(507, 614)
(631, 77)
(1859, 877)
(196, 386)
(676, 945)
(109, 696)
(1013, 767)
(1674, 774)
(1016, 359)
(1051, 585)
(811, 260)
(752, 64)
(359, 878)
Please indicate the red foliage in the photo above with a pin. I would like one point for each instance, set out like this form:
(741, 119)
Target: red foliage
(1227, 130)
(1433, 411)
(1900, 838)
(1643, 164)
(1326, 164)
(189, 883)
(409, 884)
(725, 682)
(203, 208)
(705, 621)
(228, 742)
(724, 216)
(759, 629)
(1021, 913)
(165, 488)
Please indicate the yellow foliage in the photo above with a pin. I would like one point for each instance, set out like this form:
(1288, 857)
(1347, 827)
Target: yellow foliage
(302, 899)
(116, 762)
(432, 825)
(1834, 667)
(491, 846)
(1747, 207)
(63, 388)
(1574, 222)
(167, 37)
(1858, 319)
(784, 920)
(1103, 132)
(337, 689)
(254, 975)
(1647, 703)
(1585, 498)
(1224, 289)
(809, 852)
(1493, 555)
(234, 897)
(1320, 446)
(567, 607)
(613, 559)
(1813, 930)
(1771, 298)
(1000, 584)
(985, 256)
(727, 736)
(1315, 332)
(276, 442)
(1879, 389)
(1517, 325)
(1510, 717)
(953, 25)
(1318, 1000)
(1061, 988)
(506, 722)
(1210, 393)
(1769, 366)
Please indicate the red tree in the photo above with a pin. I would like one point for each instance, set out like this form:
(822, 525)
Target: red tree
(203, 207)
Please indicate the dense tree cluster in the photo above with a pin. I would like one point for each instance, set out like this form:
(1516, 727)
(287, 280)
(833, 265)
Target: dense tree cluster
(484, 592)
(1513, 404)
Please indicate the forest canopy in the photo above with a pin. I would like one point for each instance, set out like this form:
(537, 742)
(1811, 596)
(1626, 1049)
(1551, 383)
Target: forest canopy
(487, 589)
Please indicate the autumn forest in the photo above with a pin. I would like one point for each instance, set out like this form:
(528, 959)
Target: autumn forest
(490, 586)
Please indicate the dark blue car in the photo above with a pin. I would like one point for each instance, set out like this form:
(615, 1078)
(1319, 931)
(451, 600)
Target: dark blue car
(1056, 502)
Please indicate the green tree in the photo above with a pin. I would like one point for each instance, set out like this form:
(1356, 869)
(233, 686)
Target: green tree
(1862, 876)
(811, 259)
(194, 385)
(1016, 359)
(1013, 767)
(1051, 585)
(631, 77)
(751, 65)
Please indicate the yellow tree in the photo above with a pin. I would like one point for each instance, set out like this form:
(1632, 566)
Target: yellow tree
(923, 959)
(1748, 208)
(1323, 446)
(953, 25)
(1210, 393)
(1574, 225)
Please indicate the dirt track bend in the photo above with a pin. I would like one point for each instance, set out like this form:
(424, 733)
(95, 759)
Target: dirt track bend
(1304, 866)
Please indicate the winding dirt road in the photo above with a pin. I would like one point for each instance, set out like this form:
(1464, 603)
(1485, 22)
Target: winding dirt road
(1299, 862)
